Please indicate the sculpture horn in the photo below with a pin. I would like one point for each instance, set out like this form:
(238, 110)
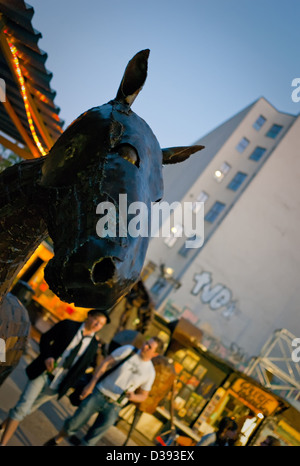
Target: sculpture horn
(134, 78)
(179, 154)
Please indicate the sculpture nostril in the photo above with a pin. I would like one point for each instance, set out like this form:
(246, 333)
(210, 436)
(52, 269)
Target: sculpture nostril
(103, 270)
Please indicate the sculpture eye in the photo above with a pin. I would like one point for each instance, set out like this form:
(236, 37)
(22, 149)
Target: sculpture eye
(128, 152)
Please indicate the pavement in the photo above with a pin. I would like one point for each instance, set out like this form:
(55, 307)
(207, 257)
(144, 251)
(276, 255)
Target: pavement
(44, 423)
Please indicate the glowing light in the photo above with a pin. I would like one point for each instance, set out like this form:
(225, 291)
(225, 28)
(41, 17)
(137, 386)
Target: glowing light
(260, 415)
(218, 173)
(25, 98)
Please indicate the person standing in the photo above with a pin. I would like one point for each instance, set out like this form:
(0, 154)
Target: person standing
(66, 351)
(270, 441)
(225, 436)
(130, 381)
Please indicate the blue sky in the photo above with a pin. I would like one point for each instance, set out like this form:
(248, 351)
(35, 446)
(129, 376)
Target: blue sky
(209, 58)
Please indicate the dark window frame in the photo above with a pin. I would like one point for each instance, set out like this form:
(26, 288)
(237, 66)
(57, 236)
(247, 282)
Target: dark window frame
(240, 147)
(257, 125)
(258, 153)
(214, 211)
(237, 181)
(272, 133)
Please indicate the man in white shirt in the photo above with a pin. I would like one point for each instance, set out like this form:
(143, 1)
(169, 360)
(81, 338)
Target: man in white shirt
(66, 351)
(130, 381)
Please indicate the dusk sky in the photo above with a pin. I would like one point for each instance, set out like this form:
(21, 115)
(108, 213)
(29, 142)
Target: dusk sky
(208, 60)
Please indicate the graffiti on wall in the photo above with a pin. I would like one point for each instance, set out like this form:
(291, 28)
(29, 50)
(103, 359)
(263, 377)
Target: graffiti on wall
(217, 296)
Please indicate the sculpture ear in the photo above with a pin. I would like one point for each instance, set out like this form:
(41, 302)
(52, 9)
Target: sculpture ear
(179, 154)
(134, 78)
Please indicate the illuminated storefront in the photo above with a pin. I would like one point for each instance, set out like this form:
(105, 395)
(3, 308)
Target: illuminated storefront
(284, 426)
(242, 399)
(198, 375)
(208, 389)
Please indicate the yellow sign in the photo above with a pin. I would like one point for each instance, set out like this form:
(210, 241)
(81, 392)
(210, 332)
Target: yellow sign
(255, 396)
(289, 429)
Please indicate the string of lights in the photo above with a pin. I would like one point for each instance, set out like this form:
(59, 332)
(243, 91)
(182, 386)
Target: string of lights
(21, 80)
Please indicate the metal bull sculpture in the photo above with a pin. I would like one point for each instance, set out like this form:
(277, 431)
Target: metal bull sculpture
(106, 151)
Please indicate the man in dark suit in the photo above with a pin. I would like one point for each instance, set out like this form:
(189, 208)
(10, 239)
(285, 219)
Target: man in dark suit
(66, 351)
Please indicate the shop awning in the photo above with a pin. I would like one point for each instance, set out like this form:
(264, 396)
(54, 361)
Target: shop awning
(29, 119)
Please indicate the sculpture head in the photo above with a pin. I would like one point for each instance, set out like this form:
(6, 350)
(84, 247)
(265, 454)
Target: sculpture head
(106, 151)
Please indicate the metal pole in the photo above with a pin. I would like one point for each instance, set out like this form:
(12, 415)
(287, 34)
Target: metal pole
(136, 417)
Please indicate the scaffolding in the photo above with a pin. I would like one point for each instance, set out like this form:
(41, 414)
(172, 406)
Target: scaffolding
(276, 368)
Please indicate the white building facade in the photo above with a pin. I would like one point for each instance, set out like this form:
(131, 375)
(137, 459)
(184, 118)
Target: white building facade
(242, 284)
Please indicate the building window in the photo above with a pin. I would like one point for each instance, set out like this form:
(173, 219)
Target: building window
(198, 241)
(244, 142)
(236, 182)
(257, 153)
(202, 197)
(259, 122)
(274, 131)
(175, 233)
(214, 211)
(222, 171)
(183, 251)
(158, 286)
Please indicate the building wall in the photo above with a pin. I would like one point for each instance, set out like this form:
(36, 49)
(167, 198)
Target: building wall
(230, 135)
(252, 261)
(177, 257)
(182, 177)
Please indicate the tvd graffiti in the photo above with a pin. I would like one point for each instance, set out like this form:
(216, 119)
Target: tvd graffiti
(216, 297)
